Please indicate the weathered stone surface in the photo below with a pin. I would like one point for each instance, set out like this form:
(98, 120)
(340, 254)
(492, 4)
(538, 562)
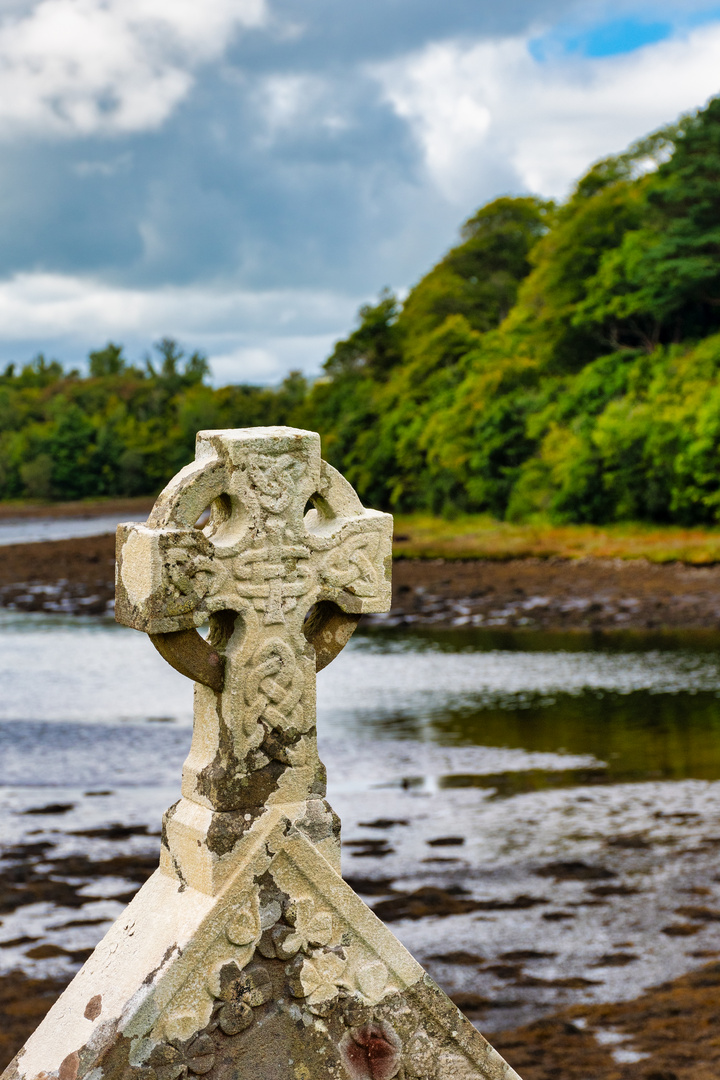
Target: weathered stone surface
(246, 954)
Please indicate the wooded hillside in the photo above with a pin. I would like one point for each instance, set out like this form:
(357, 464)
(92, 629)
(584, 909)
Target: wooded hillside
(560, 362)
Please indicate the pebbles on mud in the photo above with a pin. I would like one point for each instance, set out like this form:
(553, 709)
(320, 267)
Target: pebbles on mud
(557, 594)
(62, 598)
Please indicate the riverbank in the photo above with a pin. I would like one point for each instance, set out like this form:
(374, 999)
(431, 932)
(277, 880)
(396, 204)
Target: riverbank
(466, 537)
(589, 594)
(135, 507)
(478, 536)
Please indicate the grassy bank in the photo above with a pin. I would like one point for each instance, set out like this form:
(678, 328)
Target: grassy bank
(474, 536)
(419, 536)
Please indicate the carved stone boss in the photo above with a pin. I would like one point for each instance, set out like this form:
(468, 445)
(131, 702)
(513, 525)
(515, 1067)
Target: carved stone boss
(246, 955)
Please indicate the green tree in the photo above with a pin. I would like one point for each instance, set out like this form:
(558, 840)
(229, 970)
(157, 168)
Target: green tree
(373, 349)
(479, 278)
(107, 361)
(662, 281)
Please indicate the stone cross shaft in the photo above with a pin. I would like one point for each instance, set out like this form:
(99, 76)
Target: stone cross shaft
(282, 570)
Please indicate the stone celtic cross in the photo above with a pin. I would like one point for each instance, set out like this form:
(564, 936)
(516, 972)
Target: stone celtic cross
(246, 956)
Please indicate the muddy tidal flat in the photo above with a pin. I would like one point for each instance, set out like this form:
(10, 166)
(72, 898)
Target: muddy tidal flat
(76, 576)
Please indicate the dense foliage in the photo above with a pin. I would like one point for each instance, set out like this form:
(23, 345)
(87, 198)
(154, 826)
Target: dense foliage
(560, 361)
(121, 430)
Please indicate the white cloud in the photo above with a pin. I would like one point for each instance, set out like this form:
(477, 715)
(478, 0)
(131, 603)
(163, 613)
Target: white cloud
(118, 163)
(474, 107)
(82, 67)
(268, 360)
(284, 98)
(288, 103)
(253, 336)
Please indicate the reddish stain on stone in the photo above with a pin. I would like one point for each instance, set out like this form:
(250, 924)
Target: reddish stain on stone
(69, 1067)
(93, 1007)
(371, 1052)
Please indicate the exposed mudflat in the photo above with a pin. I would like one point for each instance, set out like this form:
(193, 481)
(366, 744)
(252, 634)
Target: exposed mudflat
(63, 576)
(77, 576)
(669, 1033)
(542, 933)
(550, 917)
(556, 594)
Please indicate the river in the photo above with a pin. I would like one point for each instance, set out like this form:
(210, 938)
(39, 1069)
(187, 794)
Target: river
(561, 798)
(33, 530)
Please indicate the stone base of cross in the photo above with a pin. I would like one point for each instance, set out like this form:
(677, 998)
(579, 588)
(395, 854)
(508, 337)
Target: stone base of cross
(246, 955)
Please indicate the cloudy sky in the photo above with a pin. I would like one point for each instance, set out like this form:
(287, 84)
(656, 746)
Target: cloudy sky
(242, 174)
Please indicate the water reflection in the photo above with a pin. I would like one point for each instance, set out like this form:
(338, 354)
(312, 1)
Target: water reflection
(640, 735)
(626, 707)
(647, 706)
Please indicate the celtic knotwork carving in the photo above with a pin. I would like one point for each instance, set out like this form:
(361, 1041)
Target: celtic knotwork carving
(271, 480)
(191, 568)
(351, 566)
(274, 686)
(273, 578)
(255, 574)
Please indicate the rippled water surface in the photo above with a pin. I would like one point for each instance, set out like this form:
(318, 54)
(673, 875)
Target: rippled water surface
(623, 712)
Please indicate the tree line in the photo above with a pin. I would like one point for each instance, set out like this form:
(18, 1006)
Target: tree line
(560, 362)
(121, 429)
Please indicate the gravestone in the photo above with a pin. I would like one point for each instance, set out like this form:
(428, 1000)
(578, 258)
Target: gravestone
(246, 955)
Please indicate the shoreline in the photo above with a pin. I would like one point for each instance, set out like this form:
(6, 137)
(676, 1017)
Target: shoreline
(132, 505)
(589, 594)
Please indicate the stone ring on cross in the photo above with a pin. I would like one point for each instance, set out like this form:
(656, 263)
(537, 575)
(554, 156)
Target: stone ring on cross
(288, 545)
(246, 956)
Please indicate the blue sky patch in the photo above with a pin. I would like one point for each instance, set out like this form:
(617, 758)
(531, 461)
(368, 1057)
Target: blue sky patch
(622, 36)
(608, 39)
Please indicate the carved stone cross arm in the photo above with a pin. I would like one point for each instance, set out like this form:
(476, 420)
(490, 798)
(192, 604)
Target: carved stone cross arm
(286, 532)
(246, 955)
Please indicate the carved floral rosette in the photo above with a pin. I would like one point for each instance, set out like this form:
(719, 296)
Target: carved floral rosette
(276, 953)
